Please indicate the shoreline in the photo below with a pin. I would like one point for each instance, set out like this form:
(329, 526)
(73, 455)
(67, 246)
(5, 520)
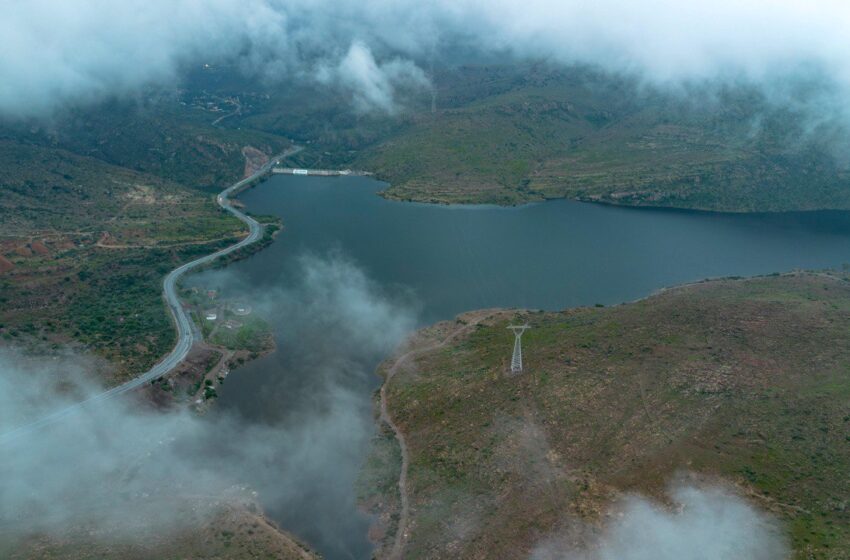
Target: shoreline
(389, 509)
(386, 195)
(463, 325)
(437, 335)
(187, 331)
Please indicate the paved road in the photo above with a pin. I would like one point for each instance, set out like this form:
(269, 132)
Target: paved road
(187, 332)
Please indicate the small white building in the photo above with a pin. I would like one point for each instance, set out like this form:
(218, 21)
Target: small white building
(211, 316)
(241, 309)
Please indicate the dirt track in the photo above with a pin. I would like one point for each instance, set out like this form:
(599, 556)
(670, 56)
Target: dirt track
(470, 321)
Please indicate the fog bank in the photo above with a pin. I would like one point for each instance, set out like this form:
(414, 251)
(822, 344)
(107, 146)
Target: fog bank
(707, 523)
(57, 53)
(127, 470)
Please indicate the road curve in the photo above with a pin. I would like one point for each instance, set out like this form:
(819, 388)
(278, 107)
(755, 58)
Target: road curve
(187, 332)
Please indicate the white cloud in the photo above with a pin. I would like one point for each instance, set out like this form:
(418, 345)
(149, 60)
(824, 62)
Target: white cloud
(373, 86)
(668, 40)
(56, 52)
(706, 524)
(127, 470)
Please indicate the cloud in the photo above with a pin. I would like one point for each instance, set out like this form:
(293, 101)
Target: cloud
(667, 40)
(373, 86)
(106, 465)
(56, 52)
(128, 471)
(705, 524)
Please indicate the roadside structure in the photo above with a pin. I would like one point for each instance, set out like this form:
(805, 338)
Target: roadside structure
(241, 309)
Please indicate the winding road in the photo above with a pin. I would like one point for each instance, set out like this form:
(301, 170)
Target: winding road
(187, 332)
(473, 319)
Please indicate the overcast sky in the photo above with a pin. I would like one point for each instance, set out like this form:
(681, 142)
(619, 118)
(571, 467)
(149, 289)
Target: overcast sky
(56, 52)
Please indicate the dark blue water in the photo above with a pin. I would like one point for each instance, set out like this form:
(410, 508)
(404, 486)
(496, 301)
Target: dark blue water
(551, 255)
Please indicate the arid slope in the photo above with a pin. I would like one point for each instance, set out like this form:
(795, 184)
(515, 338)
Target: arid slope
(739, 382)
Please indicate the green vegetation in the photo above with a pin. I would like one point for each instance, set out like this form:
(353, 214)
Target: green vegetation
(508, 134)
(101, 193)
(742, 380)
(245, 333)
(49, 191)
(111, 301)
(248, 333)
(379, 477)
(118, 310)
(88, 236)
(529, 135)
(235, 532)
(159, 137)
(511, 134)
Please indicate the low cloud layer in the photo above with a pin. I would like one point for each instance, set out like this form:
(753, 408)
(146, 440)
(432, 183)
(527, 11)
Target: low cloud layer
(705, 524)
(110, 464)
(373, 85)
(128, 471)
(55, 52)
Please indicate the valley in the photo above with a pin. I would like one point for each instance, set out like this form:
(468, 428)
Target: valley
(506, 189)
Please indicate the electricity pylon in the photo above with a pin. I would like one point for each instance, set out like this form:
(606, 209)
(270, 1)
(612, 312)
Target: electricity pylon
(516, 360)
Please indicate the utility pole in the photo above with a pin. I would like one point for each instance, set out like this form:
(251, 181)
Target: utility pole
(516, 360)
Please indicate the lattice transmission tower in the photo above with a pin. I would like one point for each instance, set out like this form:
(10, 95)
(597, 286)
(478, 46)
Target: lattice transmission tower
(516, 360)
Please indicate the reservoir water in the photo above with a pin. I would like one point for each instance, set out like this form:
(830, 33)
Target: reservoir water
(351, 272)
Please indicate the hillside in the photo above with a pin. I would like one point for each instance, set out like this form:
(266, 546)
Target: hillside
(236, 532)
(94, 214)
(737, 382)
(84, 247)
(159, 137)
(506, 136)
(500, 133)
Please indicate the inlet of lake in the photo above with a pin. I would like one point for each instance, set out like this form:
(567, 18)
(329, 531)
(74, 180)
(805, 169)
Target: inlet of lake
(351, 269)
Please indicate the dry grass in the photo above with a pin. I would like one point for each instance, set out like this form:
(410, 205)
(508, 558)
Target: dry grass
(237, 532)
(743, 381)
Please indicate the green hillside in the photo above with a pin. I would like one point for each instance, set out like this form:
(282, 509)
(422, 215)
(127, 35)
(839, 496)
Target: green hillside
(574, 134)
(743, 382)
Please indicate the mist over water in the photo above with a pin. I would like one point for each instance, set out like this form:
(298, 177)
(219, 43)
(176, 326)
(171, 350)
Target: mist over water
(348, 278)
(351, 273)
(122, 471)
(333, 326)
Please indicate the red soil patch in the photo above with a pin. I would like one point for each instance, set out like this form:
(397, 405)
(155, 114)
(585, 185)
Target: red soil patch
(39, 248)
(23, 251)
(5, 264)
(254, 160)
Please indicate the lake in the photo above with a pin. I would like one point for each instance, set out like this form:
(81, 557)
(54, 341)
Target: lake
(352, 273)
